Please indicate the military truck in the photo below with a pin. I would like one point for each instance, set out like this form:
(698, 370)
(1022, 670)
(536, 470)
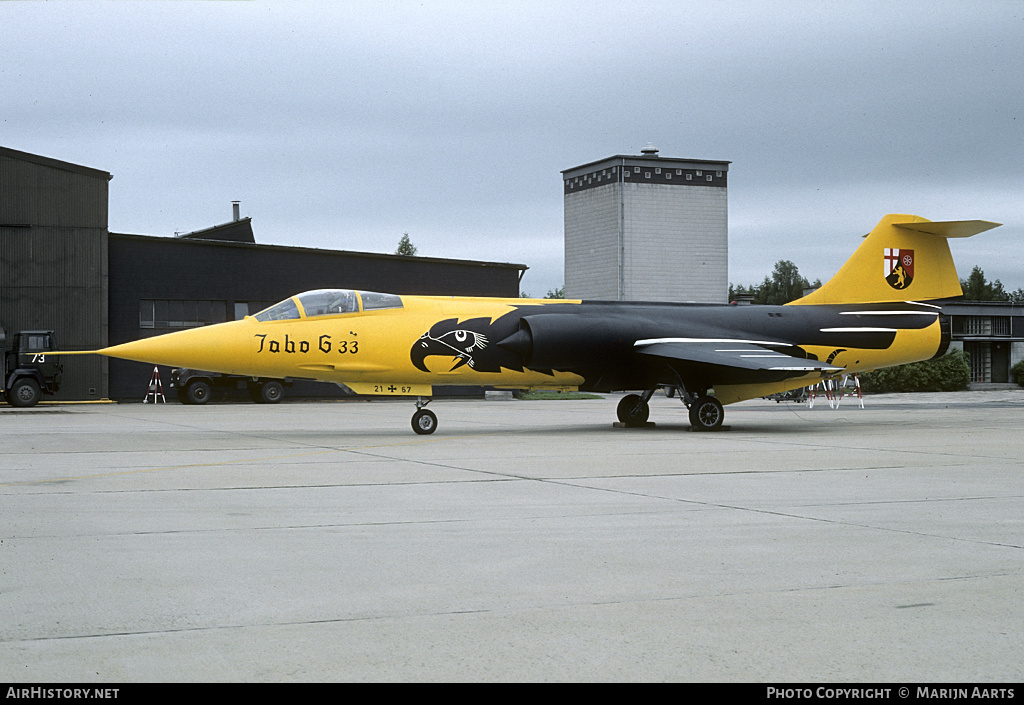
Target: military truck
(26, 370)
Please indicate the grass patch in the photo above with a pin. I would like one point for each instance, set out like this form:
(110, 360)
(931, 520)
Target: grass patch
(549, 394)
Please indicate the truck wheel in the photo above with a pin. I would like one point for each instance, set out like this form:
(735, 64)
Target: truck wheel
(24, 392)
(270, 393)
(198, 392)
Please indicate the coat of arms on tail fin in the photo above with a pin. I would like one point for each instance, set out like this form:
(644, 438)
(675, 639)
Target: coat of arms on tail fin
(898, 267)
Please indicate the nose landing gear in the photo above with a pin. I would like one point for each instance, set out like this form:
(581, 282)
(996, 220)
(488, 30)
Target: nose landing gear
(424, 421)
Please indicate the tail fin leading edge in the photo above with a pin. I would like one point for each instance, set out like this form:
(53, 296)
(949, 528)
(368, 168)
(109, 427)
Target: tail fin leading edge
(904, 258)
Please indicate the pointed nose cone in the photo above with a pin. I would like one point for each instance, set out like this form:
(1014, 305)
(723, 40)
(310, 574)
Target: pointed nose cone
(225, 347)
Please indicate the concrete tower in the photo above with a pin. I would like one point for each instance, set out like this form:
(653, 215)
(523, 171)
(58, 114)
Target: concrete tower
(647, 228)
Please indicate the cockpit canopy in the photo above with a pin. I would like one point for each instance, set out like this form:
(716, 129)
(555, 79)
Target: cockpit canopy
(328, 302)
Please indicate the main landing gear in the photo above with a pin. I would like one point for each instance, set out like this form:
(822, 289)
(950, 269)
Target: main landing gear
(706, 412)
(424, 421)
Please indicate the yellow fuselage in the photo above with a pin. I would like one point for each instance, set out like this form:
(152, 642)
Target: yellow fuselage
(367, 350)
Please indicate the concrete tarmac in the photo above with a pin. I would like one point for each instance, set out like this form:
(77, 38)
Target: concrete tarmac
(524, 541)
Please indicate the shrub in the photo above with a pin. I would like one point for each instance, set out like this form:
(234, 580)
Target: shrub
(1018, 373)
(949, 373)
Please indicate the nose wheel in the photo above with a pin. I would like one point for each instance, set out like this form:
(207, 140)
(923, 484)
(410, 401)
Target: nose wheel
(424, 421)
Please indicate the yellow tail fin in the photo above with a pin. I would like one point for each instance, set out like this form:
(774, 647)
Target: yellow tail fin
(905, 258)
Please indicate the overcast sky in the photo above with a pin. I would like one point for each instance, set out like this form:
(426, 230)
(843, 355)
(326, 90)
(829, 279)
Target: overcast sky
(343, 125)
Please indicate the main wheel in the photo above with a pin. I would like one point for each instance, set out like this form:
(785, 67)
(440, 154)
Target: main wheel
(706, 414)
(25, 392)
(269, 393)
(632, 409)
(424, 422)
(198, 392)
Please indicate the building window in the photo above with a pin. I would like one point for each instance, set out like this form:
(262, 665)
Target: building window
(980, 356)
(708, 177)
(146, 314)
(175, 314)
(977, 325)
(179, 313)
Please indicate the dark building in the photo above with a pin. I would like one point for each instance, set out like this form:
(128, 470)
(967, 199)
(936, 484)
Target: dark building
(992, 335)
(53, 259)
(63, 270)
(159, 285)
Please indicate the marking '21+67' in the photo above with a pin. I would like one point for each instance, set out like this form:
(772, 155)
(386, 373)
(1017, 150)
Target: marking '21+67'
(324, 344)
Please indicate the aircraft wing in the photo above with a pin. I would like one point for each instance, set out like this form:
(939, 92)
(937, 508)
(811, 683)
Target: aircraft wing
(736, 354)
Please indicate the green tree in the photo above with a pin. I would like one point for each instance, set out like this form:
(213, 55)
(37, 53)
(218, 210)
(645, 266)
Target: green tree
(977, 288)
(738, 290)
(784, 285)
(405, 247)
(558, 293)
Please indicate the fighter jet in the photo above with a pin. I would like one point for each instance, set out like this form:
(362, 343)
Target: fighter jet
(873, 313)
